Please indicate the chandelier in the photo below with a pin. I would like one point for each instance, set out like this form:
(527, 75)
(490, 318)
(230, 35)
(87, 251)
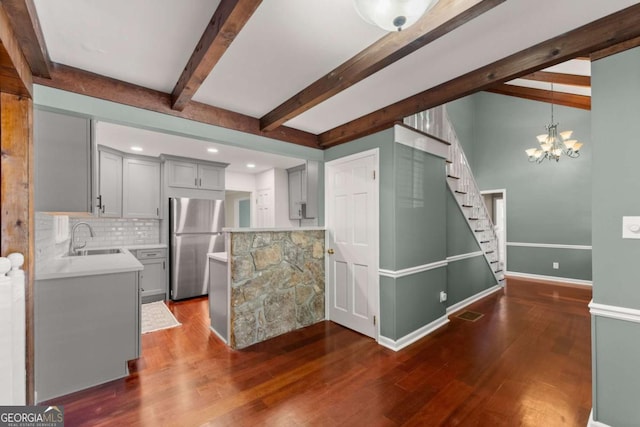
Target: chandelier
(554, 144)
(392, 15)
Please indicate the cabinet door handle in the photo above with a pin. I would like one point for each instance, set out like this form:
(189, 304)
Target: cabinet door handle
(99, 206)
(200, 182)
(163, 267)
(196, 183)
(158, 211)
(103, 206)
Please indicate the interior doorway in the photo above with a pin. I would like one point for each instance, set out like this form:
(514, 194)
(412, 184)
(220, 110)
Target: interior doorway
(496, 203)
(237, 206)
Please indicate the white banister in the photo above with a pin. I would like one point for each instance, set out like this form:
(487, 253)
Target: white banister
(12, 331)
(462, 183)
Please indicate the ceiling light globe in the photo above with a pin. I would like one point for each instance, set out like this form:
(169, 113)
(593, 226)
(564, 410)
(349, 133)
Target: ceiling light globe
(392, 15)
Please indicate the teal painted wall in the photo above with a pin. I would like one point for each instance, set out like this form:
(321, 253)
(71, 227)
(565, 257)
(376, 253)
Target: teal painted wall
(421, 209)
(468, 277)
(462, 112)
(616, 185)
(244, 213)
(460, 238)
(418, 300)
(388, 307)
(574, 263)
(546, 203)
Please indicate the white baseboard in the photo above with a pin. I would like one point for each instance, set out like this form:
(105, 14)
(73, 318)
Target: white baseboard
(579, 282)
(462, 304)
(224, 340)
(413, 336)
(594, 423)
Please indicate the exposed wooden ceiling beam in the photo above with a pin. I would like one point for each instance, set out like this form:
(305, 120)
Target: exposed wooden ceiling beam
(558, 98)
(15, 74)
(560, 78)
(97, 86)
(608, 31)
(620, 47)
(445, 16)
(24, 19)
(226, 23)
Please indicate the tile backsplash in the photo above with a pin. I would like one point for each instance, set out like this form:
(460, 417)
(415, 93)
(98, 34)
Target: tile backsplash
(108, 232)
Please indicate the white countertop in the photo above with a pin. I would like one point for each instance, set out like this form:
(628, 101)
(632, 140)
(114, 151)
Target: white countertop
(91, 265)
(274, 229)
(218, 256)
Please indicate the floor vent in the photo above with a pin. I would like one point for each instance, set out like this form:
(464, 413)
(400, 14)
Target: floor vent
(471, 316)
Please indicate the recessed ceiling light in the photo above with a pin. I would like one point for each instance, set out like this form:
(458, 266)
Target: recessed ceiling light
(212, 150)
(136, 148)
(251, 165)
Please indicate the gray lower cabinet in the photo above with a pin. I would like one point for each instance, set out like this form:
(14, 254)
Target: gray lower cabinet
(86, 329)
(62, 151)
(153, 279)
(219, 298)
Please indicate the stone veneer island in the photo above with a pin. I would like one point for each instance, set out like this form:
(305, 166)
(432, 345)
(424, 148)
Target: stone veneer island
(277, 283)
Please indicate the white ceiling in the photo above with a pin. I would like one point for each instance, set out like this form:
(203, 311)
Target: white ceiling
(155, 143)
(288, 44)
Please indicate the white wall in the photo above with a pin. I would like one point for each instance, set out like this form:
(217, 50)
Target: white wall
(236, 181)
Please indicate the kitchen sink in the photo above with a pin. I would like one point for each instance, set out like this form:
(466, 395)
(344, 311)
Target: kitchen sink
(87, 252)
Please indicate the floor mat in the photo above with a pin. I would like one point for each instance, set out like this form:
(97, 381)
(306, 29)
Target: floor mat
(156, 316)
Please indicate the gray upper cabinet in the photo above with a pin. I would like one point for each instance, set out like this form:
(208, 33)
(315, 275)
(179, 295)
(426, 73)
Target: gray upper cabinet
(210, 177)
(303, 190)
(183, 173)
(141, 188)
(62, 151)
(109, 184)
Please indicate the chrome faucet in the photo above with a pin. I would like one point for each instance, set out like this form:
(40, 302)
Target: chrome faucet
(73, 248)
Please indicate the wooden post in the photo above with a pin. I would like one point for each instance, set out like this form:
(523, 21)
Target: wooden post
(16, 201)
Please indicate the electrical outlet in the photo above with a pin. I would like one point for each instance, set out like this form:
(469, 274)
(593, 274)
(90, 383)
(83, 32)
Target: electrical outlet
(443, 296)
(556, 265)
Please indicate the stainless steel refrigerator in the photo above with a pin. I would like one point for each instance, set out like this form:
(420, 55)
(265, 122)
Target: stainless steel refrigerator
(195, 229)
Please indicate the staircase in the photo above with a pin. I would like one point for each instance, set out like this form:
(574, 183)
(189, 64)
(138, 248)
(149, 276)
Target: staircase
(462, 184)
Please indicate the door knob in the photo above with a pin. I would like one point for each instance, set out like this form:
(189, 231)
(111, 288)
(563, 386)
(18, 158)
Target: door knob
(330, 252)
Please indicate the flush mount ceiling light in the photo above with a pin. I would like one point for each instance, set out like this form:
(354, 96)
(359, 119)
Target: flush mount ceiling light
(392, 15)
(554, 144)
(136, 148)
(212, 150)
(251, 165)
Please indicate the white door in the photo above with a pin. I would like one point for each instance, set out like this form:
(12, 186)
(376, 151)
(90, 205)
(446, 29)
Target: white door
(264, 209)
(501, 228)
(352, 242)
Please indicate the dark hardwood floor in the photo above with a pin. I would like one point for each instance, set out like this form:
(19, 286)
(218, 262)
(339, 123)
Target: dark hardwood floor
(526, 362)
